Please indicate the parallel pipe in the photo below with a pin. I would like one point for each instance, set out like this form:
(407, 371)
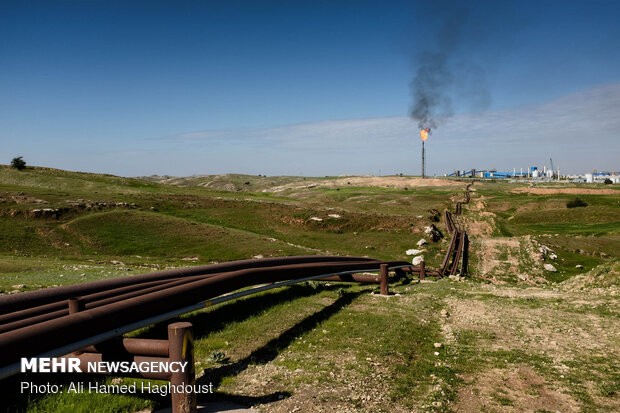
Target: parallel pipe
(20, 301)
(32, 340)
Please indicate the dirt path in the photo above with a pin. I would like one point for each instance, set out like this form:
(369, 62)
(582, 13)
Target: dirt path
(532, 346)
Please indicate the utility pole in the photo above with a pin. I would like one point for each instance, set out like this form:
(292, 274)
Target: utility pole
(424, 136)
(423, 176)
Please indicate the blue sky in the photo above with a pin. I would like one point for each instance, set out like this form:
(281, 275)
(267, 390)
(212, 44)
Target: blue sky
(307, 87)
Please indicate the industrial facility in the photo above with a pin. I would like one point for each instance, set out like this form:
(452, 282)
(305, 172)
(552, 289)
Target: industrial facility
(534, 173)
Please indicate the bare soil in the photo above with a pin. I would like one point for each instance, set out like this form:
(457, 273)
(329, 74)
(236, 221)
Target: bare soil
(400, 182)
(517, 389)
(543, 324)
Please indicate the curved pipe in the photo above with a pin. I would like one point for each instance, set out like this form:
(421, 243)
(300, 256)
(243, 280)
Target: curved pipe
(32, 340)
(20, 301)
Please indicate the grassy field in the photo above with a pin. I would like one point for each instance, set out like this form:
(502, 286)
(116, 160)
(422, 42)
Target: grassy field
(513, 337)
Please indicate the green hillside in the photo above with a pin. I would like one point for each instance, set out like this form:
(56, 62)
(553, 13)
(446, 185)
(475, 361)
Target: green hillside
(514, 336)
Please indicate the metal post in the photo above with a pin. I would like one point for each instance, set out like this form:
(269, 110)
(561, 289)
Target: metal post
(465, 255)
(383, 274)
(422, 270)
(76, 305)
(181, 341)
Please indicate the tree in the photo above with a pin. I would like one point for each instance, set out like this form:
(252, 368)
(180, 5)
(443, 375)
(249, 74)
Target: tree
(18, 163)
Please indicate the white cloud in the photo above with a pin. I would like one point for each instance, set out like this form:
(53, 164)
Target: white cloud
(580, 131)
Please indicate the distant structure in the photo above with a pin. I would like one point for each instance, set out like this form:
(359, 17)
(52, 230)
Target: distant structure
(424, 136)
(600, 177)
(535, 174)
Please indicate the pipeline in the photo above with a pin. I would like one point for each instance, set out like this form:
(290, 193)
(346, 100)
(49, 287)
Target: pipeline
(48, 295)
(40, 322)
(42, 337)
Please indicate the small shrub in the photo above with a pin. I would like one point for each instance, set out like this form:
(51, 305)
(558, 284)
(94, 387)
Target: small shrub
(18, 163)
(219, 357)
(608, 181)
(576, 203)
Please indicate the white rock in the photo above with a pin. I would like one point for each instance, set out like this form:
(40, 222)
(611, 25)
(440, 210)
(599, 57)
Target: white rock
(579, 266)
(258, 257)
(418, 260)
(317, 219)
(334, 216)
(421, 242)
(413, 252)
(437, 345)
(550, 267)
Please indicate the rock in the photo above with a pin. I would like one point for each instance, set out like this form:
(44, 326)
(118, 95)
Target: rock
(547, 252)
(550, 267)
(433, 232)
(444, 313)
(418, 260)
(437, 345)
(336, 216)
(421, 242)
(316, 219)
(18, 286)
(413, 252)
(258, 257)
(579, 266)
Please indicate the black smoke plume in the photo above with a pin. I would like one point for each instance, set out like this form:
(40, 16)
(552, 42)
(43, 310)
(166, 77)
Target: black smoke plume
(431, 99)
(446, 73)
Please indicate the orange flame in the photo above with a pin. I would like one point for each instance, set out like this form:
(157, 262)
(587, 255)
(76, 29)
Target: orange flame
(424, 133)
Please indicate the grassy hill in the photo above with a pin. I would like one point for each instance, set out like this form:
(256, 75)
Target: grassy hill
(514, 337)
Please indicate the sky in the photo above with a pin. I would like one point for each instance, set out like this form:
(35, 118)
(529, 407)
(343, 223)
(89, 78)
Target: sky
(137, 88)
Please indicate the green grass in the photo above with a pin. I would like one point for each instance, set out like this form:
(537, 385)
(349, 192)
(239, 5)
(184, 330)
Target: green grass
(339, 339)
(123, 233)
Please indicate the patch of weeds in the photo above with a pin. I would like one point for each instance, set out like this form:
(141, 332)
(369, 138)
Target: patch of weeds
(503, 400)
(609, 388)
